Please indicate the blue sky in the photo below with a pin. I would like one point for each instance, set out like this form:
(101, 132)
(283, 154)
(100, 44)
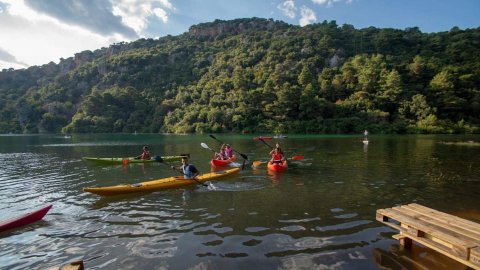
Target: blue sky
(36, 32)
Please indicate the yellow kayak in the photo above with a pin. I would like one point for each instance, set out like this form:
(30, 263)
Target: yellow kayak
(164, 183)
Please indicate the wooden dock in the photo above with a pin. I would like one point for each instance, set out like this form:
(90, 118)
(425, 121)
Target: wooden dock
(450, 235)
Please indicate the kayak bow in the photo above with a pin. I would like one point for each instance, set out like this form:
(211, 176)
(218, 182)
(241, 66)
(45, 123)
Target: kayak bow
(24, 219)
(277, 167)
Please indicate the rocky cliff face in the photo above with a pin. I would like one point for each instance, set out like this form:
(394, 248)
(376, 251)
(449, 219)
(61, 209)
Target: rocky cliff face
(235, 27)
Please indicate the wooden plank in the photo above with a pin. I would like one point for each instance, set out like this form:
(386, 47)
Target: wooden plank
(465, 223)
(430, 244)
(452, 236)
(398, 236)
(455, 228)
(416, 226)
(435, 234)
(453, 223)
(404, 240)
(475, 256)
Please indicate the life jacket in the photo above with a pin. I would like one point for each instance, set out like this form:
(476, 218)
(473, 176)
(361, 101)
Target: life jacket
(229, 152)
(145, 155)
(223, 155)
(277, 156)
(187, 171)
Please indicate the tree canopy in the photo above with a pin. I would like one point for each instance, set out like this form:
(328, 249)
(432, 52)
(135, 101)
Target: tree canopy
(256, 75)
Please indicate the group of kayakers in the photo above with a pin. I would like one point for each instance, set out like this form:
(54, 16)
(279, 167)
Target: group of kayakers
(226, 152)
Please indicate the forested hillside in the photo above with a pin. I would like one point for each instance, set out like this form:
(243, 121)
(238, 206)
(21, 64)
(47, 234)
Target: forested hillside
(256, 75)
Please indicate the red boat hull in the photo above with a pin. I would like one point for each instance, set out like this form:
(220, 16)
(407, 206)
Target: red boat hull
(222, 162)
(277, 167)
(262, 138)
(24, 219)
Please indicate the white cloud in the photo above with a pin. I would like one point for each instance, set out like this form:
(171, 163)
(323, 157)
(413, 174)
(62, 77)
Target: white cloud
(35, 39)
(36, 33)
(161, 14)
(167, 4)
(136, 13)
(288, 8)
(307, 16)
(328, 3)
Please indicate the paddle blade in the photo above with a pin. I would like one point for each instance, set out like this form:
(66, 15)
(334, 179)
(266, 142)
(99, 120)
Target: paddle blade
(257, 163)
(204, 145)
(297, 157)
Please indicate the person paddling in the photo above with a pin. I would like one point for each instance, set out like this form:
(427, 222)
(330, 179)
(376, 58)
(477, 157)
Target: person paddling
(277, 154)
(189, 170)
(145, 154)
(221, 155)
(228, 151)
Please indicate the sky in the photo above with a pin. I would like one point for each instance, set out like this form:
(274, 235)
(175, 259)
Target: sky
(36, 32)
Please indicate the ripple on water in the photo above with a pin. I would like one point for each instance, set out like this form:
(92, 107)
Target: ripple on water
(245, 183)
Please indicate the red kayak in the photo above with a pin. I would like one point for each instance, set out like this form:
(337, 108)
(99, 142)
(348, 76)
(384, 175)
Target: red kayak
(222, 162)
(24, 219)
(262, 138)
(277, 167)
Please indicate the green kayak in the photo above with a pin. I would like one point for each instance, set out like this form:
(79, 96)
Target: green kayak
(128, 160)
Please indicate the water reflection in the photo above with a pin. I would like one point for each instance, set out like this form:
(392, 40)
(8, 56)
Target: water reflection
(415, 258)
(318, 214)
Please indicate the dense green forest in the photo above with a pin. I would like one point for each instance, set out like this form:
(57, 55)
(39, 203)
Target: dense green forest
(256, 75)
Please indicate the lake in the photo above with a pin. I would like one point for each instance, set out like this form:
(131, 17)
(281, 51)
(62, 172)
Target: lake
(320, 214)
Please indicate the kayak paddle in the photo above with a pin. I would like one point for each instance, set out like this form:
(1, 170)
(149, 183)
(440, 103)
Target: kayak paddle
(204, 145)
(243, 155)
(261, 139)
(257, 163)
(292, 158)
(158, 158)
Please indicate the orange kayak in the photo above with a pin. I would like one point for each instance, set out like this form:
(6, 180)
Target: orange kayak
(277, 167)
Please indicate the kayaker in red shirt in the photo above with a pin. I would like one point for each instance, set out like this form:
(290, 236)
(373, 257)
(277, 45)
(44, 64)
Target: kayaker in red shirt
(145, 154)
(277, 154)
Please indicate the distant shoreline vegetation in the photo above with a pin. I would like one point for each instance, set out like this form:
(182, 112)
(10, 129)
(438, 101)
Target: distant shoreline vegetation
(256, 76)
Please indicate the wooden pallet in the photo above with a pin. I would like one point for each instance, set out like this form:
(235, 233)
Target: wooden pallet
(452, 236)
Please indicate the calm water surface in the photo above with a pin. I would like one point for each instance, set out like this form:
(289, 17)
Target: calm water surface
(320, 214)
